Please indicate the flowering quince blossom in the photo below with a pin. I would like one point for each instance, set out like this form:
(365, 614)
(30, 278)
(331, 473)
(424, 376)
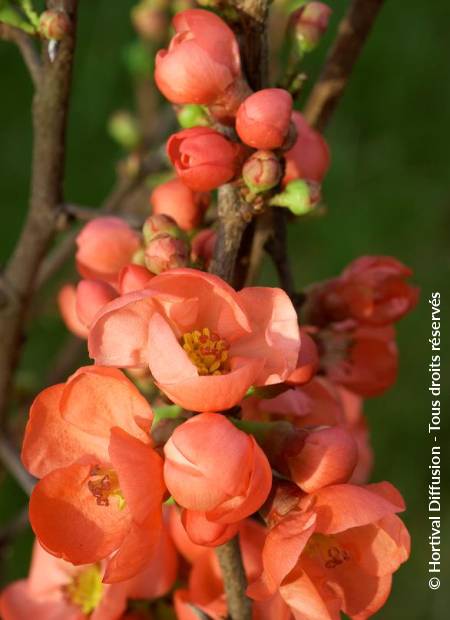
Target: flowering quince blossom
(202, 64)
(203, 158)
(333, 550)
(104, 246)
(195, 476)
(205, 344)
(101, 484)
(57, 589)
(371, 290)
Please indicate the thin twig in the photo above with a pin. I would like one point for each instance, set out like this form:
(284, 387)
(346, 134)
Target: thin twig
(86, 214)
(235, 581)
(50, 112)
(11, 460)
(353, 31)
(26, 46)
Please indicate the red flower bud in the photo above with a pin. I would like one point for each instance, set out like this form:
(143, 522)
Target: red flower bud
(263, 119)
(203, 158)
(261, 171)
(159, 223)
(165, 252)
(54, 25)
(309, 158)
(202, 61)
(311, 21)
(174, 198)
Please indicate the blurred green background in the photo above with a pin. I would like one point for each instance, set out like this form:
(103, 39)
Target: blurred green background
(387, 193)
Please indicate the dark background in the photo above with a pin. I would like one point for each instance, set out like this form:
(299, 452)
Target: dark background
(387, 193)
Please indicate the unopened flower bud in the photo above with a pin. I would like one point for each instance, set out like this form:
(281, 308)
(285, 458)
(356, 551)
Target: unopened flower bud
(263, 119)
(261, 171)
(54, 25)
(175, 199)
(165, 252)
(157, 224)
(202, 246)
(310, 23)
(123, 128)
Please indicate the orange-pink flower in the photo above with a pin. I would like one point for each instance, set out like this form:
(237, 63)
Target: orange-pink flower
(333, 550)
(215, 469)
(56, 589)
(204, 343)
(101, 486)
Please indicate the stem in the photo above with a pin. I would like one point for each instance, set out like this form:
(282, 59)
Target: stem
(235, 581)
(25, 44)
(50, 111)
(353, 31)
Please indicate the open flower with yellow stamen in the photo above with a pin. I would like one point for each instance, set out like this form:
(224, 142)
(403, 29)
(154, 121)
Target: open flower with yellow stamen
(101, 487)
(205, 343)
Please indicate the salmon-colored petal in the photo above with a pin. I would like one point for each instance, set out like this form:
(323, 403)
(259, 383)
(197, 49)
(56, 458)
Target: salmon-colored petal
(92, 295)
(140, 472)
(272, 608)
(362, 594)
(194, 457)
(342, 506)
(282, 549)
(167, 360)
(220, 307)
(69, 523)
(275, 334)
(256, 493)
(112, 605)
(378, 549)
(206, 586)
(50, 442)
(96, 399)
(67, 300)
(214, 392)
(47, 573)
(307, 599)
(189, 550)
(387, 491)
(17, 603)
(136, 550)
(159, 575)
(119, 334)
(207, 533)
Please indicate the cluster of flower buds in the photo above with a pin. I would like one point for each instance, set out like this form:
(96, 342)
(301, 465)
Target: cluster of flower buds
(276, 145)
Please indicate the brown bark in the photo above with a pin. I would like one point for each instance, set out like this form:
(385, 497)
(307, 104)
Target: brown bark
(50, 110)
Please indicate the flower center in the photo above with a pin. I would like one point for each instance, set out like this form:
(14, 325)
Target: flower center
(103, 484)
(327, 550)
(207, 350)
(86, 589)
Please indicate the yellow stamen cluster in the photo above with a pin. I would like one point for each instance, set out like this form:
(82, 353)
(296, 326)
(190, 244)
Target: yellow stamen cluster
(103, 484)
(207, 350)
(327, 550)
(86, 589)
